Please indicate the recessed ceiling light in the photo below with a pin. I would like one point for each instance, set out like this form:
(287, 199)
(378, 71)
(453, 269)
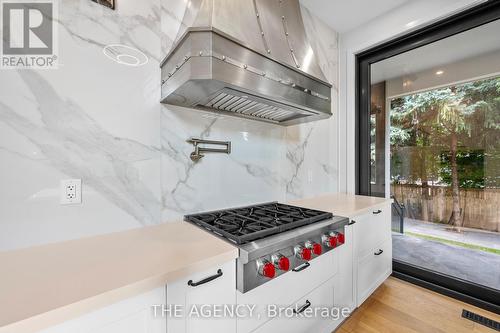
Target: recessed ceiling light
(125, 55)
(439, 72)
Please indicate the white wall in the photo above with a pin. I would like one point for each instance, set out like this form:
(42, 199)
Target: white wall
(410, 16)
(102, 122)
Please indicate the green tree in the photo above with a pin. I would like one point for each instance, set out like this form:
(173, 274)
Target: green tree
(470, 164)
(447, 118)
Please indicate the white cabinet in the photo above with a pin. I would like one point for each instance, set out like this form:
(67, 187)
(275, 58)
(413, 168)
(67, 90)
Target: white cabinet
(306, 320)
(342, 278)
(133, 315)
(345, 294)
(372, 251)
(214, 286)
(373, 269)
(286, 289)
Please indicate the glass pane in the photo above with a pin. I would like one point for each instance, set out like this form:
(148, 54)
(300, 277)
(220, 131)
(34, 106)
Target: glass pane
(441, 106)
(377, 138)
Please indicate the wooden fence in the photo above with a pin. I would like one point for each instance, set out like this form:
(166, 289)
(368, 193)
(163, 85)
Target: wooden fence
(480, 208)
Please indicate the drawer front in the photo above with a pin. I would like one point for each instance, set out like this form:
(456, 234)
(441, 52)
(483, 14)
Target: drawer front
(373, 269)
(345, 295)
(321, 297)
(286, 288)
(372, 229)
(221, 290)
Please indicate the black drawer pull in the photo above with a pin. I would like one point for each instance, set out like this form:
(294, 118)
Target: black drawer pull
(301, 267)
(302, 308)
(379, 252)
(351, 222)
(205, 280)
(377, 211)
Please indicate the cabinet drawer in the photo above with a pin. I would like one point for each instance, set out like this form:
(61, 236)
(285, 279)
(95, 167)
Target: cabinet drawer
(323, 296)
(372, 229)
(221, 290)
(286, 288)
(373, 269)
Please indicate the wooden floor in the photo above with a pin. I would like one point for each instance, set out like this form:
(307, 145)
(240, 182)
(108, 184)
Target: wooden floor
(399, 307)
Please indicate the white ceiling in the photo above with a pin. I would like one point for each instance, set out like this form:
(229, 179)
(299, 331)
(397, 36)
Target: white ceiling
(345, 15)
(472, 43)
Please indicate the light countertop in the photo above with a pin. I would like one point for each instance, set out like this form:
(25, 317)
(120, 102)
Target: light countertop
(342, 204)
(45, 285)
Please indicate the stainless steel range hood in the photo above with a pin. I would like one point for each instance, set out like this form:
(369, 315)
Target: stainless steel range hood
(247, 58)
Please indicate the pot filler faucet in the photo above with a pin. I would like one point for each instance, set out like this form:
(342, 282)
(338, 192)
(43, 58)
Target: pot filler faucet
(199, 151)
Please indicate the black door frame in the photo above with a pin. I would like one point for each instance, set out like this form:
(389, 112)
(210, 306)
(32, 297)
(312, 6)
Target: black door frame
(471, 18)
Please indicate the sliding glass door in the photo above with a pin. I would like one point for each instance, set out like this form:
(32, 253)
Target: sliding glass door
(429, 137)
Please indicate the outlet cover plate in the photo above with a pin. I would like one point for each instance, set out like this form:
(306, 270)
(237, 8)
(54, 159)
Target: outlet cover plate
(71, 191)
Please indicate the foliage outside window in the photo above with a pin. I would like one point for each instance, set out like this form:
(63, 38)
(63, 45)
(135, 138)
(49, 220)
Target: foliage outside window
(444, 137)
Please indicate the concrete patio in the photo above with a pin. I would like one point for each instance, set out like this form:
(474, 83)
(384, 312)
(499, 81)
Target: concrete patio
(469, 236)
(467, 264)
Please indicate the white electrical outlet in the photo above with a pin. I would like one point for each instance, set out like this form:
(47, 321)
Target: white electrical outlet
(71, 191)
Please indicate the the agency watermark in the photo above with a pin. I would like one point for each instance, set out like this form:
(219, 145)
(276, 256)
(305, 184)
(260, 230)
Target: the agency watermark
(29, 34)
(245, 311)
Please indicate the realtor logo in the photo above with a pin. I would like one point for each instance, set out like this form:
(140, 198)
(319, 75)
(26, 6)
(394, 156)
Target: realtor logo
(28, 34)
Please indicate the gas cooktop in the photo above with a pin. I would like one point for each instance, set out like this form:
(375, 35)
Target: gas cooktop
(273, 238)
(246, 224)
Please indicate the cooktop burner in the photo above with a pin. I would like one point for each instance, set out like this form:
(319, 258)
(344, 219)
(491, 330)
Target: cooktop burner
(246, 224)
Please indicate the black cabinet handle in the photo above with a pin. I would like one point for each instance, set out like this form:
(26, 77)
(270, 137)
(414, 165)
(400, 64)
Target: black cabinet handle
(302, 308)
(205, 280)
(301, 267)
(351, 222)
(377, 212)
(379, 252)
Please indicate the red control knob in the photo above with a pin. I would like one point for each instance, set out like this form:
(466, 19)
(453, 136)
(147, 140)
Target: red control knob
(265, 268)
(306, 254)
(317, 249)
(314, 247)
(284, 264)
(341, 238)
(330, 240)
(281, 262)
(302, 252)
(268, 270)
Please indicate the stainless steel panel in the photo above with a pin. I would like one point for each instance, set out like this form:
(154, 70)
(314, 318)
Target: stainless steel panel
(239, 20)
(206, 64)
(250, 29)
(247, 277)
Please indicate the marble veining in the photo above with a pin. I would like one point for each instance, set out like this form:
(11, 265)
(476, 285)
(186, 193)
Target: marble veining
(251, 173)
(102, 122)
(176, 153)
(75, 144)
(91, 119)
(296, 156)
(312, 148)
(134, 23)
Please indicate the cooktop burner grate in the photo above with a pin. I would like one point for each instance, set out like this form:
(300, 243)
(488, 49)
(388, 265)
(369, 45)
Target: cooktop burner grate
(246, 224)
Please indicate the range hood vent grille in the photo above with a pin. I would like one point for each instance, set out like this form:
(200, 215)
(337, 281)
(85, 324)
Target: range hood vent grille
(245, 105)
(235, 71)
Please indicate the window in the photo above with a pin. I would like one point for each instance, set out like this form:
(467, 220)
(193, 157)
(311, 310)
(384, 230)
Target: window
(428, 135)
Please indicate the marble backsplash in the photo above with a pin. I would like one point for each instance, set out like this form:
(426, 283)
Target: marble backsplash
(100, 121)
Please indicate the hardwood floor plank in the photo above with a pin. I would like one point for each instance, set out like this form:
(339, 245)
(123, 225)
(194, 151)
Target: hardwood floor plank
(401, 307)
